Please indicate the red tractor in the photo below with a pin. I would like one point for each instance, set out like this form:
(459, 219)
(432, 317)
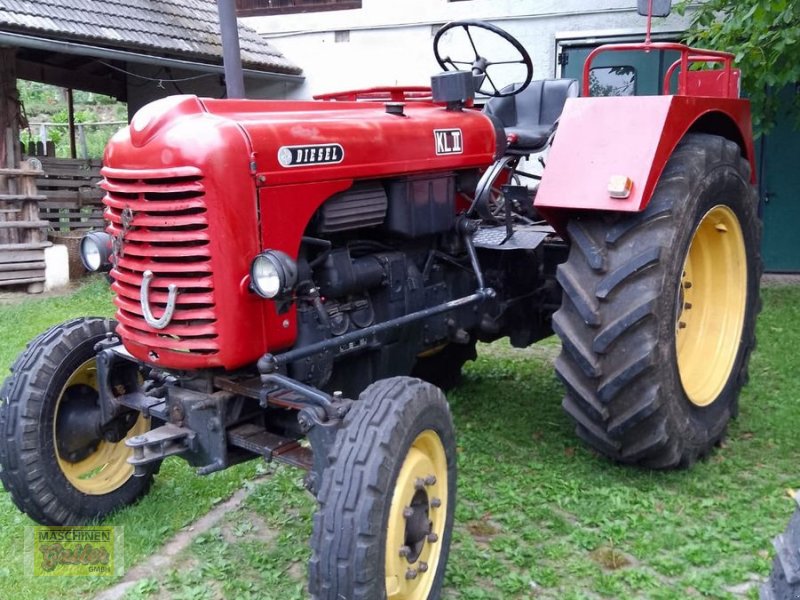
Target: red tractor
(321, 270)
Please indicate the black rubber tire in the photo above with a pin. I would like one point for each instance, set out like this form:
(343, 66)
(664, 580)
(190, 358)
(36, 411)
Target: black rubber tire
(29, 469)
(443, 369)
(784, 580)
(349, 539)
(617, 319)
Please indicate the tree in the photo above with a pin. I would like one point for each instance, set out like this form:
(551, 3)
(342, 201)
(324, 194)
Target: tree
(765, 36)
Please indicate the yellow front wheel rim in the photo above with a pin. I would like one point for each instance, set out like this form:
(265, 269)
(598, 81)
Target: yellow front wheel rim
(417, 519)
(106, 469)
(712, 300)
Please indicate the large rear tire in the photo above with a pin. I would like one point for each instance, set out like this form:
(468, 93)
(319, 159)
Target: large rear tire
(54, 377)
(387, 500)
(658, 315)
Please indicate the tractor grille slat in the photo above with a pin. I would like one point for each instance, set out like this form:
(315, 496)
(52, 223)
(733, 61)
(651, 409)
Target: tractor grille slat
(134, 280)
(194, 328)
(159, 298)
(173, 237)
(192, 345)
(185, 314)
(152, 189)
(144, 250)
(139, 205)
(162, 220)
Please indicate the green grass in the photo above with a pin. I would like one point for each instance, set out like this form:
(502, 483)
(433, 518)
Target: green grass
(538, 516)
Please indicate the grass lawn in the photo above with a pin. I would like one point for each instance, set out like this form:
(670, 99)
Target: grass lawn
(538, 514)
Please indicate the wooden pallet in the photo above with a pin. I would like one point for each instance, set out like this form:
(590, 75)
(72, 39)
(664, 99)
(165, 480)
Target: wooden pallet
(23, 235)
(74, 200)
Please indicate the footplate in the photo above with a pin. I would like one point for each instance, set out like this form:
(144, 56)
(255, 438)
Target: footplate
(155, 445)
(525, 237)
(271, 446)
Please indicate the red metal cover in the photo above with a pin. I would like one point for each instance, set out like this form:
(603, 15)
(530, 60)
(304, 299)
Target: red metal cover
(633, 137)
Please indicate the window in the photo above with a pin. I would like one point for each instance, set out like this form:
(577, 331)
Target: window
(251, 8)
(612, 81)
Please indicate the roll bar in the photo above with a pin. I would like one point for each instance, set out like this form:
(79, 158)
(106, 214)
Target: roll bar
(688, 56)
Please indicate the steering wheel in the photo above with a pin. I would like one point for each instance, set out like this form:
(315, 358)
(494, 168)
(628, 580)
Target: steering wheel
(480, 64)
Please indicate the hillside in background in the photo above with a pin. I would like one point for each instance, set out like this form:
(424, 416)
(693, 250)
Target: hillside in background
(98, 116)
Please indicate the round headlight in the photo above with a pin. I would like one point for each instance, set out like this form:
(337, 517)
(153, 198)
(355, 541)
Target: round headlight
(95, 251)
(273, 273)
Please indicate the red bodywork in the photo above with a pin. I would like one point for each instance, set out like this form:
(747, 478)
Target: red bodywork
(195, 189)
(208, 193)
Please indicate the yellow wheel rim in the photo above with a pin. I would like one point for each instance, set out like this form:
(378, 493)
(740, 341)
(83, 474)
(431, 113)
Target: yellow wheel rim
(712, 299)
(106, 469)
(417, 520)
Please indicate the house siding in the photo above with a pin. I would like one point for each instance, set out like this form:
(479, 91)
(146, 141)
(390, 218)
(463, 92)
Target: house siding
(390, 42)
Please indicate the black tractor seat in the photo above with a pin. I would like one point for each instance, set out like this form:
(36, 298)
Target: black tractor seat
(529, 118)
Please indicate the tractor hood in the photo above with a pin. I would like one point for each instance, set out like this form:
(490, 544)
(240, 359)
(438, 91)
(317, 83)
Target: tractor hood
(297, 142)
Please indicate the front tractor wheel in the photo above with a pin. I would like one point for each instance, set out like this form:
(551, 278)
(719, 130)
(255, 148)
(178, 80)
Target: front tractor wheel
(386, 501)
(53, 462)
(658, 317)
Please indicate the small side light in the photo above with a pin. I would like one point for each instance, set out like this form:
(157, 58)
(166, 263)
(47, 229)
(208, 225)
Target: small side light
(619, 187)
(273, 274)
(96, 251)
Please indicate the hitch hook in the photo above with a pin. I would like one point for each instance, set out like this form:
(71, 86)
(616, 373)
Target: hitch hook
(172, 298)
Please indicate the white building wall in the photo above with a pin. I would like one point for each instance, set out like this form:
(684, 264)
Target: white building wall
(390, 41)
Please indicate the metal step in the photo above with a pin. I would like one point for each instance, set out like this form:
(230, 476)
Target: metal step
(255, 439)
(525, 237)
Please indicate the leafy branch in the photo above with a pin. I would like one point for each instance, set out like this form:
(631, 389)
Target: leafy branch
(765, 36)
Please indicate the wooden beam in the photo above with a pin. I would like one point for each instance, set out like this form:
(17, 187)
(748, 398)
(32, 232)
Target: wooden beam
(67, 78)
(31, 279)
(21, 266)
(15, 172)
(17, 256)
(29, 246)
(21, 276)
(71, 119)
(23, 224)
(9, 109)
(21, 197)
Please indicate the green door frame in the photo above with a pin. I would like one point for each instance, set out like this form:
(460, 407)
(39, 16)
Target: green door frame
(776, 154)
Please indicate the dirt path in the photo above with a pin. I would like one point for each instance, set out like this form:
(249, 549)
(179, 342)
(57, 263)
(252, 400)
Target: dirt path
(166, 557)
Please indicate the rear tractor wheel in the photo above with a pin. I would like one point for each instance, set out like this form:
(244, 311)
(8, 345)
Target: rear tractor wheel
(53, 462)
(658, 316)
(386, 501)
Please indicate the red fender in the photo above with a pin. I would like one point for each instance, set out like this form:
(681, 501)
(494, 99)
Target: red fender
(599, 138)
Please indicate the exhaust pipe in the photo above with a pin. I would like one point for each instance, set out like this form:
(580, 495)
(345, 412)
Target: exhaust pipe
(231, 54)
